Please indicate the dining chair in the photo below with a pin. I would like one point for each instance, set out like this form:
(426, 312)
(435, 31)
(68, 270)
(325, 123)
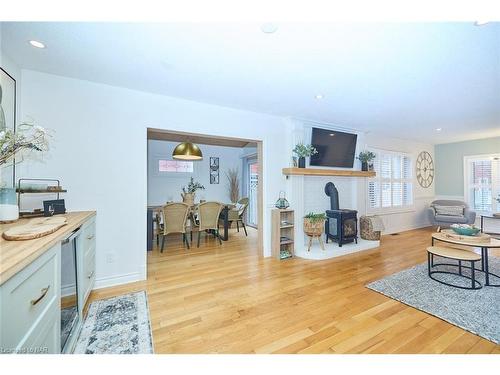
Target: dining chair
(238, 213)
(174, 221)
(208, 219)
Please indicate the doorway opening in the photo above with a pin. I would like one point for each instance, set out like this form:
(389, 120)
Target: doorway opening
(223, 157)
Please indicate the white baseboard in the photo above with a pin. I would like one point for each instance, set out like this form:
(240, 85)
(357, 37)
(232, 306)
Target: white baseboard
(407, 228)
(105, 282)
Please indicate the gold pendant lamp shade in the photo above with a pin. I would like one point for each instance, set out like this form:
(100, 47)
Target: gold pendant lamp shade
(187, 151)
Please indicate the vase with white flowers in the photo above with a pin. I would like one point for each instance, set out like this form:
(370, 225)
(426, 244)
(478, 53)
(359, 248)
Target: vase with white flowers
(15, 147)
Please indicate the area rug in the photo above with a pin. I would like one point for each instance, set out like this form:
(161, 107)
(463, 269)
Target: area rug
(118, 325)
(477, 311)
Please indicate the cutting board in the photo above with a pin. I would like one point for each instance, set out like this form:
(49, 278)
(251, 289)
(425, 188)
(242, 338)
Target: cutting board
(35, 228)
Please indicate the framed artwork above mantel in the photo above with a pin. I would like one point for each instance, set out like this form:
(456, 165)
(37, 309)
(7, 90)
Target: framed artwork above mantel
(7, 121)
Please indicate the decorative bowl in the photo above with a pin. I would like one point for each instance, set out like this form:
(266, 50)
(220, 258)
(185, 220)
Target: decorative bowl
(465, 230)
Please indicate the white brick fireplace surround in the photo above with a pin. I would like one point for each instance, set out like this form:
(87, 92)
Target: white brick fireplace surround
(308, 195)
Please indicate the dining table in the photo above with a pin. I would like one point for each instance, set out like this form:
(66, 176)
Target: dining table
(153, 209)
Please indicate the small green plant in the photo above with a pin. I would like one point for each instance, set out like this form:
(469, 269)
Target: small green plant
(302, 150)
(315, 218)
(366, 156)
(192, 186)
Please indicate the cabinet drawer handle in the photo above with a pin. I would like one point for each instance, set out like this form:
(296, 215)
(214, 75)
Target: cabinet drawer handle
(91, 274)
(44, 293)
(90, 237)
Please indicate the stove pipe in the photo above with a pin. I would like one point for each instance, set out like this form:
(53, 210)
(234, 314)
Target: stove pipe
(333, 193)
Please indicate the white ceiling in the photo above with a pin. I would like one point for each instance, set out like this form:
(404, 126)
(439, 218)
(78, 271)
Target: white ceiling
(404, 80)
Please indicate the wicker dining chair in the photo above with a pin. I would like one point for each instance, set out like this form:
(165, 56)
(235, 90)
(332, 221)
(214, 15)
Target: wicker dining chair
(238, 213)
(174, 221)
(208, 219)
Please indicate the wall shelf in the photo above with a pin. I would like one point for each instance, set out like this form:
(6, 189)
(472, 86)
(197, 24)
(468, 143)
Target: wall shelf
(326, 172)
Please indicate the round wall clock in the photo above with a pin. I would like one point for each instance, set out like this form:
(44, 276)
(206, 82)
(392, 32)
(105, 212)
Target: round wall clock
(425, 169)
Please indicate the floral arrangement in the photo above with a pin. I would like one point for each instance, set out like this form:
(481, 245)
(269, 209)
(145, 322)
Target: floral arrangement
(366, 156)
(303, 150)
(233, 184)
(18, 145)
(192, 187)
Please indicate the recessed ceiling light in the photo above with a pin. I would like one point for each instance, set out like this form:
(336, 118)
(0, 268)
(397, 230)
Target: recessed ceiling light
(319, 96)
(269, 28)
(37, 44)
(481, 23)
(332, 134)
(438, 129)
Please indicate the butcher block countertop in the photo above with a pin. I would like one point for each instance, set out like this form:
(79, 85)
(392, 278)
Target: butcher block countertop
(15, 255)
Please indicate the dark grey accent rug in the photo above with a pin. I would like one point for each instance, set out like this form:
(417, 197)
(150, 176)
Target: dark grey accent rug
(477, 311)
(118, 325)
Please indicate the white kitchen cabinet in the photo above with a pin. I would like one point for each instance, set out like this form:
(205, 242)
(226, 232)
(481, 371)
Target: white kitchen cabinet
(30, 307)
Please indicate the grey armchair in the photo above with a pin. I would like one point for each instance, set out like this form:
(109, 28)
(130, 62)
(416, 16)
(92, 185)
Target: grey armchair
(469, 216)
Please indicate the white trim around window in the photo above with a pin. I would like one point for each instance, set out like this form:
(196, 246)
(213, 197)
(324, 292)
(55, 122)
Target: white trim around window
(392, 189)
(482, 182)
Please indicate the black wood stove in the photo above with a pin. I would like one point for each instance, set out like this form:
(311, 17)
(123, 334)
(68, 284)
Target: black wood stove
(341, 225)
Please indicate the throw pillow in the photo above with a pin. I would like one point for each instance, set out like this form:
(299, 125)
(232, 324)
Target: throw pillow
(449, 210)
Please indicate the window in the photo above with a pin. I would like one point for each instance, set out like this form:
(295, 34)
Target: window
(482, 182)
(392, 188)
(175, 166)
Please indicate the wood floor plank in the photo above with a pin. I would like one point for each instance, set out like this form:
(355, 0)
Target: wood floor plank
(229, 299)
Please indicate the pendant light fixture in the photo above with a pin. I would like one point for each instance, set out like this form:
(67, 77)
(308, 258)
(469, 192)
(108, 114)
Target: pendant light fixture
(187, 151)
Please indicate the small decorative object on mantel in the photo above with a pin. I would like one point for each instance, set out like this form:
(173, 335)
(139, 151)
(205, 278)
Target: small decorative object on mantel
(425, 169)
(214, 170)
(302, 151)
(314, 225)
(282, 203)
(16, 146)
(366, 157)
(189, 191)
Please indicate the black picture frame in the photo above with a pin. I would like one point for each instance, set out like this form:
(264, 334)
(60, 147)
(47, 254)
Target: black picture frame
(214, 170)
(8, 122)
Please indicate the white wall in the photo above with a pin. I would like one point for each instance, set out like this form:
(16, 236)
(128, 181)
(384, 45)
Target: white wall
(163, 187)
(100, 153)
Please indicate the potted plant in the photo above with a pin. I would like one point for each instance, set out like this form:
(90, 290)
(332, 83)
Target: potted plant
(189, 191)
(303, 151)
(366, 157)
(314, 224)
(14, 148)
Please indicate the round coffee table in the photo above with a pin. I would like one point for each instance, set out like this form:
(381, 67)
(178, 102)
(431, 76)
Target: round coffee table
(448, 237)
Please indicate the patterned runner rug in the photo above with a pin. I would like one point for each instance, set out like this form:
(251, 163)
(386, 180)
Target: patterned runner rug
(118, 325)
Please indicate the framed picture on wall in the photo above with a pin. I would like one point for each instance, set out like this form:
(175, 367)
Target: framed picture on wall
(214, 170)
(7, 122)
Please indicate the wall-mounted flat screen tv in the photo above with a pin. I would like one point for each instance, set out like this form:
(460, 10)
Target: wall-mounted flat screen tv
(335, 149)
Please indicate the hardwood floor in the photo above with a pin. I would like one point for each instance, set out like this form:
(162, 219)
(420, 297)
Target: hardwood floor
(228, 299)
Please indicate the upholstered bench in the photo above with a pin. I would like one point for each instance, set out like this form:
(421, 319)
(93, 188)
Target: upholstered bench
(455, 254)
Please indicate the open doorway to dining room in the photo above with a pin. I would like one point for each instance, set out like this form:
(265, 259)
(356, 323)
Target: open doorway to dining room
(186, 191)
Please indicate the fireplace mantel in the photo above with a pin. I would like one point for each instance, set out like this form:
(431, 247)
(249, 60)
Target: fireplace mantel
(326, 172)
